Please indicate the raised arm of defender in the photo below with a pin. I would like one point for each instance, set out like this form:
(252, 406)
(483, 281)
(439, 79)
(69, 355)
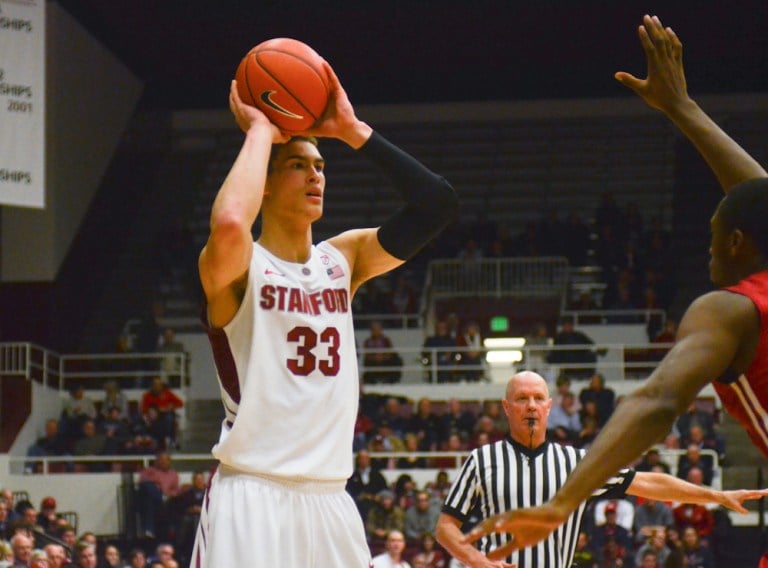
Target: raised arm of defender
(665, 89)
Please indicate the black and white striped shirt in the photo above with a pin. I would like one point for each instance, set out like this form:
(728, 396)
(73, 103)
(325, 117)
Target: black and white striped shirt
(505, 476)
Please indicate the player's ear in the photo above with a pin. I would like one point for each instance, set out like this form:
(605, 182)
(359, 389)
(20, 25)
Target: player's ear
(736, 240)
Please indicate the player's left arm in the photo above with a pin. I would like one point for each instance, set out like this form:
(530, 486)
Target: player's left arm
(430, 204)
(665, 487)
(430, 201)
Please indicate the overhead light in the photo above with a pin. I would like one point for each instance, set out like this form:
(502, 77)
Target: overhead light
(504, 342)
(504, 356)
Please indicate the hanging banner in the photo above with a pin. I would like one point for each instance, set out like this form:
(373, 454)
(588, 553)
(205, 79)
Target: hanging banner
(22, 102)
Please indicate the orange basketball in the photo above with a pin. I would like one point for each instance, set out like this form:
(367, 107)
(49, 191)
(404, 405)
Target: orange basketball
(285, 79)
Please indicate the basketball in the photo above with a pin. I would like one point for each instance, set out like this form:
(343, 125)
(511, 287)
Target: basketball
(285, 79)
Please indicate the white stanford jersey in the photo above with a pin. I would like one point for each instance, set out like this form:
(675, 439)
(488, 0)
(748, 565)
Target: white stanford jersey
(287, 369)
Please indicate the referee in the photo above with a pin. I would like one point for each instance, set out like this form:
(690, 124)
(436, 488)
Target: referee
(525, 470)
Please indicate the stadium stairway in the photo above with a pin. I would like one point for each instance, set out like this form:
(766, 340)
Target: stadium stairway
(203, 423)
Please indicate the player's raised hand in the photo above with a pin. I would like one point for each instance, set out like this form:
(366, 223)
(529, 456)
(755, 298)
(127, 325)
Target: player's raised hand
(734, 499)
(339, 120)
(526, 526)
(247, 115)
(665, 86)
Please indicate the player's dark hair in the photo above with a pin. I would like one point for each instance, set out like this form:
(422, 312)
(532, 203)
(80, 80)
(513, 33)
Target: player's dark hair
(276, 147)
(746, 208)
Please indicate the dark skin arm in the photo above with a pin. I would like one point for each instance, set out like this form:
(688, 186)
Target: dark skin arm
(718, 332)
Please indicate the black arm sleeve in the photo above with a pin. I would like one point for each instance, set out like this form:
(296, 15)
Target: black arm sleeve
(430, 201)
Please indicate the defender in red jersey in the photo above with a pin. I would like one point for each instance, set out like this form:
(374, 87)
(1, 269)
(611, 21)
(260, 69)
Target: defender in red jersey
(723, 336)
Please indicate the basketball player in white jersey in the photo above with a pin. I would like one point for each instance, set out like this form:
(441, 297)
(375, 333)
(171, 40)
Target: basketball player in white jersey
(280, 324)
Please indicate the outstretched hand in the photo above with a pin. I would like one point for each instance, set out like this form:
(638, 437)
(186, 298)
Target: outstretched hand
(665, 86)
(247, 116)
(527, 527)
(734, 499)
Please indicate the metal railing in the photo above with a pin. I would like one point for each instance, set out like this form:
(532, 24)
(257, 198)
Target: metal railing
(130, 370)
(541, 276)
(450, 364)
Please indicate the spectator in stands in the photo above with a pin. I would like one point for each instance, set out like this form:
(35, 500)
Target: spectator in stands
(455, 443)
(47, 517)
(584, 556)
(137, 558)
(381, 362)
(111, 557)
(165, 554)
(425, 424)
(486, 432)
(624, 509)
(86, 555)
(656, 544)
(456, 420)
(564, 416)
(651, 516)
(429, 555)
(590, 427)
(585, 302)
(116, 431)
(146, 434)
(22, 546)
(50, 444)
(68, 536)
(384, 516)
(6, 553)
(4, 518)
(405, 491)
(167, 403)
(365, 483)
(171, 363)
(675, 546)
(610, 539)
(492, 409)
(157, 484)
(693, 458)
(584, 357)
(391, 411)
(695, 417)
(603, 397)
(114, 398)
(439, 350)
(390, 442)
(185, 509)
(363, 430)
(411, 442)
(421, 517)
(392, 557)
(693, 515)
(91, 443)
(695, 552)
(652, 461)
(77, 408)
(471, 353)
(57, 558)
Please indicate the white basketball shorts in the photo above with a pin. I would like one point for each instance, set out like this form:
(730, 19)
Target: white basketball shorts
(254, 521)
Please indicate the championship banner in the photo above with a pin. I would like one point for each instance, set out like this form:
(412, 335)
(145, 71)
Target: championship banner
(22, 102)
